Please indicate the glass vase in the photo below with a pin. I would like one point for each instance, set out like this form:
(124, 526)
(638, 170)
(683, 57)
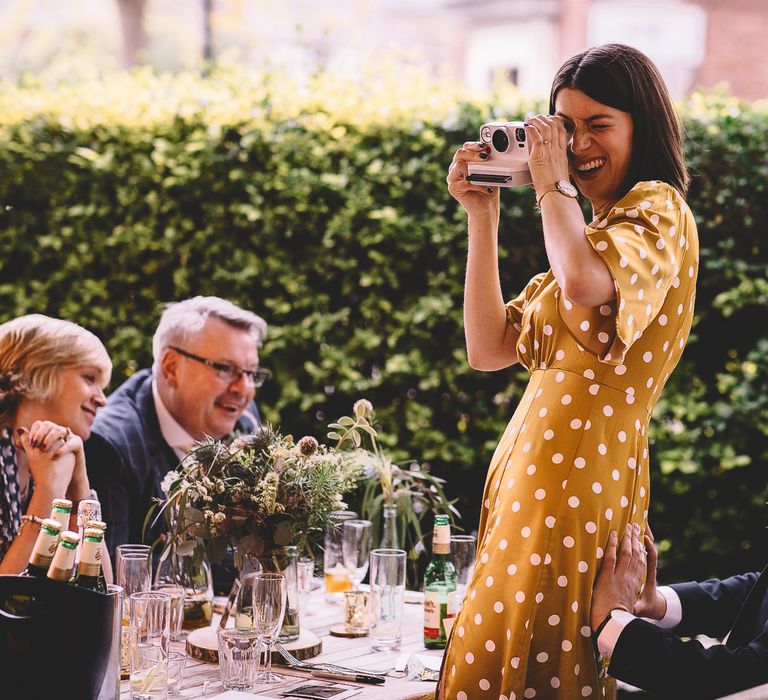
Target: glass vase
(389, 537)
(280, 560)
(193, 573)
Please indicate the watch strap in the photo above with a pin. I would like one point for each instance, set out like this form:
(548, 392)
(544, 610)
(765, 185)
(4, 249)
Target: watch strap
(554, 187)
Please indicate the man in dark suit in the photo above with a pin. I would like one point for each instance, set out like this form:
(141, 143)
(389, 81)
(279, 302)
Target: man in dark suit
(202, 384)
(650, 654)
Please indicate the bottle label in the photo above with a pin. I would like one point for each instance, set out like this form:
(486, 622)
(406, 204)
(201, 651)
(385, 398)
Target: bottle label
(88, 569)
(432, 614)
(442, 535)
(453, 604)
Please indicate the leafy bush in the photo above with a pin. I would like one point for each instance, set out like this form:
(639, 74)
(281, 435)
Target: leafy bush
(323, 207)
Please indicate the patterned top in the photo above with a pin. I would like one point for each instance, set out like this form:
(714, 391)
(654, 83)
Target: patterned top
(10, 500)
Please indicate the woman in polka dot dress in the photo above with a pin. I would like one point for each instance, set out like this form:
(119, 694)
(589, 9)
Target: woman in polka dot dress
(600, 332)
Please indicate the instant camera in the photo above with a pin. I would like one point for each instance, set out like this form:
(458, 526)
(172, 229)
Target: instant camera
(507, 164)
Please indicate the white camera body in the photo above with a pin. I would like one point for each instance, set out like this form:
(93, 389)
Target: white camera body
(507, 164)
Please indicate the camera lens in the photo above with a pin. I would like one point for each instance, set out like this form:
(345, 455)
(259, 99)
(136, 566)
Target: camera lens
(500, 140)
(520, 134)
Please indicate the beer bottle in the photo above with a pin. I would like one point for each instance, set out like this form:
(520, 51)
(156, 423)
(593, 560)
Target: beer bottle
(101, 526)
(89, 568)
(44, 549)
(64, 559)
(439, 586)
(61, 510)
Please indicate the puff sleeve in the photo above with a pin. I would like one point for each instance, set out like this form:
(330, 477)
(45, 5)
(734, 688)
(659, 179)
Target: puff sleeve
(516, 306)
(642, 240)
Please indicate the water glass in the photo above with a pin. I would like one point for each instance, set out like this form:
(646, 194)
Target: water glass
(355, 549)
(177, 661)
(176, 593)
(149, 633)
(463, 549)
(306, 571)
(356, 611)
(238, 658)
(387, 598)
(132, 566)
(336, 576)
(269, 597)
(244, 603)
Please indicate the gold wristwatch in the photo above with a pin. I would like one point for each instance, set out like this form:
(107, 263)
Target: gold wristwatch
(562, 186)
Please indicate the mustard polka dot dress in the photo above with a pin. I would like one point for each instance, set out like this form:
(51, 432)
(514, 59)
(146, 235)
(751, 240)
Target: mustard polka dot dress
(573, 462)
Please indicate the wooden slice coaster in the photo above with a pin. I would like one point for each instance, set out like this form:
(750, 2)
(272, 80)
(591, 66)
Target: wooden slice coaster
(341, 631)
(202, 644)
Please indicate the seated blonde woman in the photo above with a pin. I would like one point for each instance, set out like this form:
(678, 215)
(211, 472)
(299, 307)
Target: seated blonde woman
(52, 379)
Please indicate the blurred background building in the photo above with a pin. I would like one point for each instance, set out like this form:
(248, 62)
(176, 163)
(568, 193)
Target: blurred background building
(695, 43)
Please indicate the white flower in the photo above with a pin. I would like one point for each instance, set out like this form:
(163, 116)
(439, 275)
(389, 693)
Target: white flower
(168, 479)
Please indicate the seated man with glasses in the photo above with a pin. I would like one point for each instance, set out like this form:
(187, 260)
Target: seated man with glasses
(202, 384)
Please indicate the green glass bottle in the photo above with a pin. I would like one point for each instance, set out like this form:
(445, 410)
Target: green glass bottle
(88, 570)
(102, 526)
(64, 559)
(61, 509)
(44, 549)
(440, 600)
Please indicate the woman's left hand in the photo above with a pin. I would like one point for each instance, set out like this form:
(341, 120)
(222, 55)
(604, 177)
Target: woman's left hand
(548, 155)
(79, 487)
(57, 440)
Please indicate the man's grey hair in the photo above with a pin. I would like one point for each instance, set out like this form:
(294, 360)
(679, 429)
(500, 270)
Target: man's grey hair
(184, 319)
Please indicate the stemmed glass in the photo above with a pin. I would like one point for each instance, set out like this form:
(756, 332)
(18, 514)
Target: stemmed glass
(269, 596)
(355, 548)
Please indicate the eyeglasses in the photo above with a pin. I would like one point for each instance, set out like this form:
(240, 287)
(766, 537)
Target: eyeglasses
(228, 373)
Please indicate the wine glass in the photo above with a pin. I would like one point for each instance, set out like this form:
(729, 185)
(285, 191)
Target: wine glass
(355, 548)
(269, 596)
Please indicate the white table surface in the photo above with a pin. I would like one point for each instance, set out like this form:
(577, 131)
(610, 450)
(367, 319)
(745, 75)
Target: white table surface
(201, 679)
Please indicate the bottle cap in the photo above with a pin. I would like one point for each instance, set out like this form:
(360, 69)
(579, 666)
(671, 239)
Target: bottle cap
(64, 503)
(98, 524)
(94, 533)
(51, 524)
(71, 537)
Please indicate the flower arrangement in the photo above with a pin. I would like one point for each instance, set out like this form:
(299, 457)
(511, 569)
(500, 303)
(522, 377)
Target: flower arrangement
(257, 493)
(263, 491)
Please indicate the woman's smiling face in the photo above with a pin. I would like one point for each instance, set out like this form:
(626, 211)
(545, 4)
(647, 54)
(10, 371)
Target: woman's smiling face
(599, 145)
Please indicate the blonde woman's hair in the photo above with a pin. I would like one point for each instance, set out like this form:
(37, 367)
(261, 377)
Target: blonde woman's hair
(33, 350)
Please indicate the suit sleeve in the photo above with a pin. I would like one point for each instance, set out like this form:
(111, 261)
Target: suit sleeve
(710, 607)
(108, 474)
(659, 661)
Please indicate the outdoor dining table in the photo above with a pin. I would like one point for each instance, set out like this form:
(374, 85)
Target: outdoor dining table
(201, 679)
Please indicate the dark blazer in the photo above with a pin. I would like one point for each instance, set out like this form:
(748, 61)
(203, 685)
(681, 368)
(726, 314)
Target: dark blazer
(657, 660)
(127, 459)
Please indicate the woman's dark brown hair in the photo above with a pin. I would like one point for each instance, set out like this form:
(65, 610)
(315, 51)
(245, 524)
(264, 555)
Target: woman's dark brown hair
(624, 78)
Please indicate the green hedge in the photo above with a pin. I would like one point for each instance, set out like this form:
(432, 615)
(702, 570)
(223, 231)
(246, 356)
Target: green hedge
(324, 209)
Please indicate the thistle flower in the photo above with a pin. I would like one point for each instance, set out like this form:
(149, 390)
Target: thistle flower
(307, 445)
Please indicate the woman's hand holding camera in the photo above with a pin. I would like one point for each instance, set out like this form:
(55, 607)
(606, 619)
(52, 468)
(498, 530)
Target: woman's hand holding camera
(477, 200)
(548, 155)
